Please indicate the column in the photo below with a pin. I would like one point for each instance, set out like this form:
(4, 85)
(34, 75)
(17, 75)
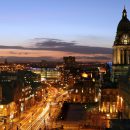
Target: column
(125, 56)
(115, 56)
(121, 56)
(118, 56)
(128, 53)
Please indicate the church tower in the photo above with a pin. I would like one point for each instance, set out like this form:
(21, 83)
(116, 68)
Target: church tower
(121, 48)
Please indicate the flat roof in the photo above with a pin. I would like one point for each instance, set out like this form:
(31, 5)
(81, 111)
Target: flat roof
(74, 111)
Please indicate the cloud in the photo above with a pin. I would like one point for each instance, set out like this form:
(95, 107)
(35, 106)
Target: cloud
(59, 45)
(31, 59)
(11, 47)
(53, 49)
(94, 57)
(53, 43)
(74, 47)
(19, 53)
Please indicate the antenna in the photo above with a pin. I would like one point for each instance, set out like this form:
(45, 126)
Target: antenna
(124, 4)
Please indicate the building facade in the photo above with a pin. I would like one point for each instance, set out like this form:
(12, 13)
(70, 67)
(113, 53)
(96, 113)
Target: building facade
(121, 48)
(109, 99)
(121, 65)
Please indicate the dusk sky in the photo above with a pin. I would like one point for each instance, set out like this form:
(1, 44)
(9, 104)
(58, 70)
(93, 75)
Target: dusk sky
(52, 24)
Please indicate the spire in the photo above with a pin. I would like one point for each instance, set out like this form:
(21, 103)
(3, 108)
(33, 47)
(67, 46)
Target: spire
(124, 13)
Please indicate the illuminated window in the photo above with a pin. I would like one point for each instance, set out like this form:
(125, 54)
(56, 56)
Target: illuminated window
(107, 107)
(76, 91)
(114, 107)
(82, 90)
(89, 90)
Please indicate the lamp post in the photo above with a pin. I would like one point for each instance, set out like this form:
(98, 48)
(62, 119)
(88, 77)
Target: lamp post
(19, 126)
(11, 118)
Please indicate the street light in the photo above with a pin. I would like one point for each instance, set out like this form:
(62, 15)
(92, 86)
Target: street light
(11, 118)
(4, 128)
(30, 121)
(19, 126)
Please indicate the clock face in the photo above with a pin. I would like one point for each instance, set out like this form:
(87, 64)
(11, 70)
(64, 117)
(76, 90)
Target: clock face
(125, 39)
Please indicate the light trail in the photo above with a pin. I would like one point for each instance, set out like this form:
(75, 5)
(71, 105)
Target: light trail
(43, 121)
(24, 121)
(39, 117)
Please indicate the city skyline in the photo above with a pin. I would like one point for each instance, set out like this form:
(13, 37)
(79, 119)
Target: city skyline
(59, 28)
(64, 64)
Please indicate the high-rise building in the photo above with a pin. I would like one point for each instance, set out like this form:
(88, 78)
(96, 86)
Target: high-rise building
(69, 61)
(121, 48)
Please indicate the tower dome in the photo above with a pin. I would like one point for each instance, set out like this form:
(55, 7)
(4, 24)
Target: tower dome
(123, 30)
(121, 48)
(124, 24)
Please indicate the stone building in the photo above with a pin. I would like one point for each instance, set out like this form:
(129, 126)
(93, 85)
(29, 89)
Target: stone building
(121, 48)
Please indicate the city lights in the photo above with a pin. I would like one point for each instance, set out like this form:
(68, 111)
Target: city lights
(61, 77)
(84, 75)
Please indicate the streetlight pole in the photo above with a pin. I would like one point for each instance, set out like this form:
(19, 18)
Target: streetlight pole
(19, 126)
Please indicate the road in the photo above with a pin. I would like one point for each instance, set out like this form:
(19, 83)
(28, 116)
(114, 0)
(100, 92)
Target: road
(39, 116)
(36, 119)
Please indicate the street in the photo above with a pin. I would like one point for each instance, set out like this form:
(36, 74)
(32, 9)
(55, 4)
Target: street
(41, 115)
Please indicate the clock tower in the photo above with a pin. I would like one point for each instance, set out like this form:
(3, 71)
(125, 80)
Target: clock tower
(121, 48)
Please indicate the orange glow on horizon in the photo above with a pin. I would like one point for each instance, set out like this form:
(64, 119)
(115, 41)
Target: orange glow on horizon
(47, 53)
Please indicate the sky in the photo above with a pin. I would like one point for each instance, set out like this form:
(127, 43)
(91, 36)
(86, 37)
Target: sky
(54, 25)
